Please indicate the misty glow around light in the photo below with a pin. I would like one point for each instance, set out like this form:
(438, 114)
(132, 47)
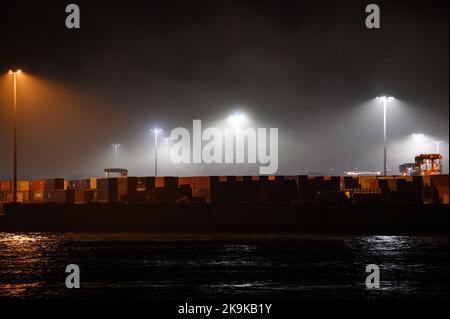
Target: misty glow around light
(419, 143)
(138, 156)
(385, 98)
(116, 147)
(156, 131)
(237, 120)
(407, 148)
(212, 145)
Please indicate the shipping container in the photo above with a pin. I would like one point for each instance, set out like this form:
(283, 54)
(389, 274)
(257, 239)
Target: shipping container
(263, 179)
(92, 183)
(335, 184)
(390, 181)
(200, 186)
(145, 184)
(186, 180)
(351, 182)
(25, 196)
(56, 184)
(110, 186)
(159, 182)
(171, 182)
(75, 184)
(127, 188)
(368, 182)
(441, 183)
(202, 182)
(170, 191)
(82, 184)
(223, 179)
(406, 178)
(102, 183)
(37, 185)
(37, 196)
(74, 196)
(89, 196)
(23, 186)
(140, 185)
(103, 195)
(231, 179)
(5, 186)
(22, 197)
(78, 197)
(294, 178)
(426, 180)
(55, 196)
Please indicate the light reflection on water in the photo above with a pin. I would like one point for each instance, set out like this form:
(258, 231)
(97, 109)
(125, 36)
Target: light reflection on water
(148, 266)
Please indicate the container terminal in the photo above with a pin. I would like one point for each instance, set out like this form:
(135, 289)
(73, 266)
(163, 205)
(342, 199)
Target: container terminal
(215, 203)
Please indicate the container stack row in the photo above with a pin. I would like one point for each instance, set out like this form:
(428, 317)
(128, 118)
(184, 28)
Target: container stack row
(233, 189)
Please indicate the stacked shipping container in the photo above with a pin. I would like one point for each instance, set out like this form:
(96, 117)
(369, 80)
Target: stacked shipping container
(55, 190)
(37, 189)
(228, 189)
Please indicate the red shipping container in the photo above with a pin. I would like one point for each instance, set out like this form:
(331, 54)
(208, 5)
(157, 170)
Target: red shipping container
(37, 185)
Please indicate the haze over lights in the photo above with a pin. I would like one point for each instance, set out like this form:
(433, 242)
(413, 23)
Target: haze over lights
(237, 120)
(156, 131)
(385, 98)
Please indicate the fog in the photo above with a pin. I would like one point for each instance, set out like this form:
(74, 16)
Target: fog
(311, 70)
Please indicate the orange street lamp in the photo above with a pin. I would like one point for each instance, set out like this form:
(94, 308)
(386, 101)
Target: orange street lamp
(15, 73)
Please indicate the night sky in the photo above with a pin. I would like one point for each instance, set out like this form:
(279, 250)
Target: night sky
(309, 68)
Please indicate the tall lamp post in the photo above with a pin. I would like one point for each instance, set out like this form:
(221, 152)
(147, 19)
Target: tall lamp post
(385, 100)
(14, 74)
(156, 131)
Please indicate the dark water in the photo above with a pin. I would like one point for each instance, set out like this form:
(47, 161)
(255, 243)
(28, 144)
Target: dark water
(260, 266)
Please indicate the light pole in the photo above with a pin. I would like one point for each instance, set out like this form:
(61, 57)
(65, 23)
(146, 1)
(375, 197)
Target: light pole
(14, 74)
(237, 121)
(385, 100)
(437, 145)
(156, 131)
